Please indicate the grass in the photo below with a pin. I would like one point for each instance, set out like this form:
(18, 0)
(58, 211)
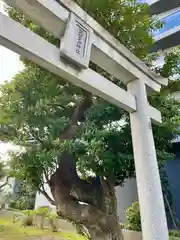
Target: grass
(14, 231)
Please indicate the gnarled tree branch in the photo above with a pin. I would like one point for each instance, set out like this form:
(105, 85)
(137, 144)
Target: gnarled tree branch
(5, 183)
(78, 116)
(70, 208)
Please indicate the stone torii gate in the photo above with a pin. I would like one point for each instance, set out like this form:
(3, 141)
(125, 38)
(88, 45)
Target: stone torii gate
(82, 40)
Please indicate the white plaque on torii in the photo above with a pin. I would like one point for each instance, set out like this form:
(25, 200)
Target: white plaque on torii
(77, 41)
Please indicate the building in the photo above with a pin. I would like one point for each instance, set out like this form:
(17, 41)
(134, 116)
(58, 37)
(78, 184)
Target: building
(166, 38)
(172, 169)
(168, 11)
(41, 200)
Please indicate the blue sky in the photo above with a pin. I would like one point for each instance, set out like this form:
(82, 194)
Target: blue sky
(148, 1)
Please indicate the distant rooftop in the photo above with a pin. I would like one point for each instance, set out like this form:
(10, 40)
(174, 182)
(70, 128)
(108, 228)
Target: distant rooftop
(168, 11)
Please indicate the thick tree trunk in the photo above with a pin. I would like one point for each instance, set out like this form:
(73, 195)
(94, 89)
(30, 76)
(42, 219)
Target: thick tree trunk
(97, 210)
(98, 234)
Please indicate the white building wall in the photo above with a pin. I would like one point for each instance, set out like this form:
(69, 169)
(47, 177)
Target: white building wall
(126, 195)
(170, 31)
(41, 200)
(167, 13)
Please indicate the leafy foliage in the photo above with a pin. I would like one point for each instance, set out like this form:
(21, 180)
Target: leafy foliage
(36, 107)
(174, 233)
(2, 172)
(133, 217)
(28, 218)
(23, 197)
(171, 65)
(43, 211)
(127, 20)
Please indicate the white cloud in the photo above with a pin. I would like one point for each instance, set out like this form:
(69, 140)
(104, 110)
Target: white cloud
(9, 64)
(9, 61)
(4, 150)
(1, 6)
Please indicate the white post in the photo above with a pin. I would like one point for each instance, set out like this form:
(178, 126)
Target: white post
(153, 218)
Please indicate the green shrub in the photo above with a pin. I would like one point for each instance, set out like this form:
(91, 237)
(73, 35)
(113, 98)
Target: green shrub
(43, 212)
(17, 204)
(28, 212)
(133, 218)
(27, 221)
(121, 225)
(52, 222)
(28, 218)
(21, 203)
(174, 233)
